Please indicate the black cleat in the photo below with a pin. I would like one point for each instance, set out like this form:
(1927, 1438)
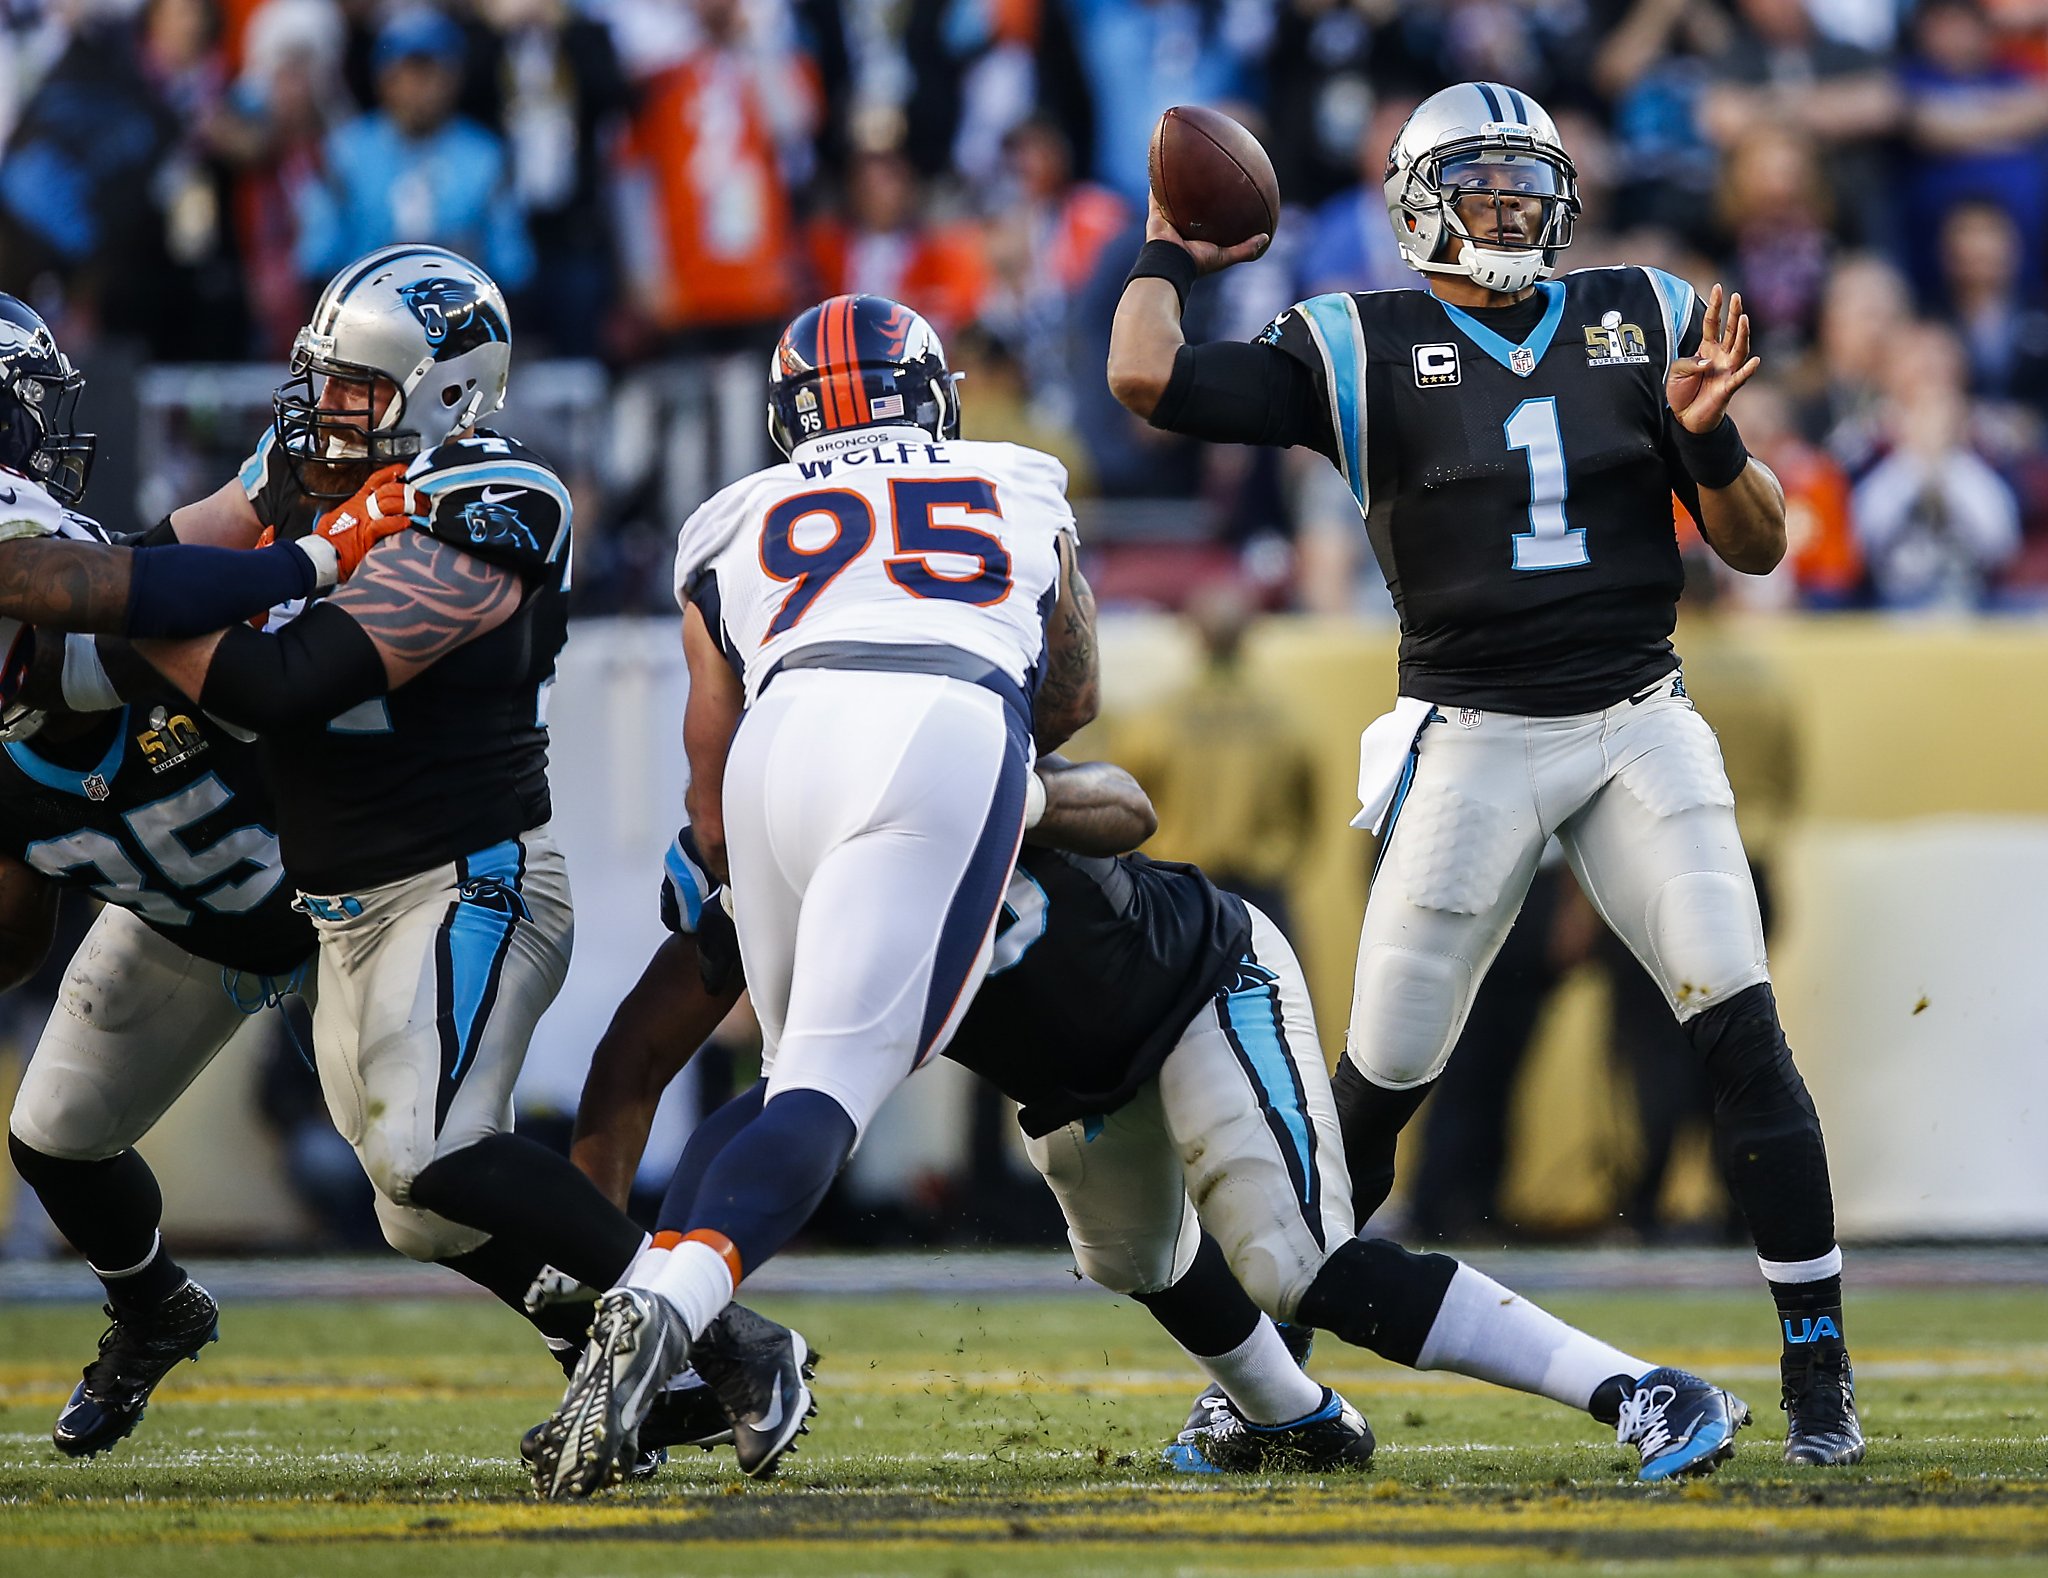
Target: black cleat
(136, 1352)
(1334, 1437)
(1819, 1400)
(637, 1341)
(686, 1415)
(758, 1370)
(1210, 1407)
(1679, 1424)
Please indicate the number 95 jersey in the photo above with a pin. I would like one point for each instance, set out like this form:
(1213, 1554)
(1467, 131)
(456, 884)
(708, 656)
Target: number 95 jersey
(881, 536)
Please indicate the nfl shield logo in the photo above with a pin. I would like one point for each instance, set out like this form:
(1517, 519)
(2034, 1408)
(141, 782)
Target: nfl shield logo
(96, 787)
(1522, 361)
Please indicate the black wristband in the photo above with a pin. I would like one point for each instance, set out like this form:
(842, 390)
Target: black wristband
(1714, 458)
(1164, 260)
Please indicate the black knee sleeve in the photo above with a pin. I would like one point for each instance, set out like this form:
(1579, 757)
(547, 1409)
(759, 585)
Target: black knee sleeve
(1374, 1294)
(1765, 1128)
(1371, 1117)
(508, 1272)
(107, 1210)
(538, 1202)
(1208, 1311)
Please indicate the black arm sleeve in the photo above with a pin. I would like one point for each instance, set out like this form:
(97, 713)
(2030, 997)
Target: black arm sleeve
(1243, 392)
(317, 667)
(185, 590)
(162, 535)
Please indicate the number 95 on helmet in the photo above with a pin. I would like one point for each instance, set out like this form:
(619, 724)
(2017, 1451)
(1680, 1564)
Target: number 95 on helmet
(859, 361)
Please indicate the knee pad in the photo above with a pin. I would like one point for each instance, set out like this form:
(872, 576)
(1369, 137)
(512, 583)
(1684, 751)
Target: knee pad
(1137, 1269)
(70, 1118)
(421, 1235)
(1405, 1011)
(1708, 939)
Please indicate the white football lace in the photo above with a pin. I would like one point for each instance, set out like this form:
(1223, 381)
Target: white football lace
(1642, 1420)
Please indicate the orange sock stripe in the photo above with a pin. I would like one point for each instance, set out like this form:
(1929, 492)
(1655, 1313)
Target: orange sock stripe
(667, 1240)
(724, 1247)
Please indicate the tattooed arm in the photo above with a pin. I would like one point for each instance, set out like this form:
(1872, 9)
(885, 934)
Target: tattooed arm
(1069, 695)
(414, 601)
(178, 590)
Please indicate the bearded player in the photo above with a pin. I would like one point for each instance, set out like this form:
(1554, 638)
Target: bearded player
(1513, 441)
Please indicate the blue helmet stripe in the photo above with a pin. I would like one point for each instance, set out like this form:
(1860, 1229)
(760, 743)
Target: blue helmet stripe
(1492, 101)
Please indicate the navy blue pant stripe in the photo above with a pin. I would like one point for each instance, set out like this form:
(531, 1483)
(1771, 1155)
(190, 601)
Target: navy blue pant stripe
(1252, 1025)
(979, 893)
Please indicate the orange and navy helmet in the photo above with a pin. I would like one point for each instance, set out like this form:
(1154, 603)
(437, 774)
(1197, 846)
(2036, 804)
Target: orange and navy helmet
(859, 361)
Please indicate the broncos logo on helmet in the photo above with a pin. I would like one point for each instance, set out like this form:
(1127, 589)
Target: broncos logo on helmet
(495, 526)
(454, 314)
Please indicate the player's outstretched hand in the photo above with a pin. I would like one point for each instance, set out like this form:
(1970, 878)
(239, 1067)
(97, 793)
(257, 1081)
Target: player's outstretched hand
(380, 507)
(1700, 385)
(1208, 256)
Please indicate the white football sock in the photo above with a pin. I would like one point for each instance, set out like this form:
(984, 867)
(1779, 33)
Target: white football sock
(643, 1264)
(696, 1280)
(1261, 1378)
(1486, 1331)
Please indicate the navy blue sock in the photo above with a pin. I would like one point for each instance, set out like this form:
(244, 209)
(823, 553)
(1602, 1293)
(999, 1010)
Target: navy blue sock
(766, 1182)
(705, 1145)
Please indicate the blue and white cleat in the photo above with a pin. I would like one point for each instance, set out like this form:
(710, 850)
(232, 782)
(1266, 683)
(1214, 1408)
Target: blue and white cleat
(1680, 1425)
(1334, 1437)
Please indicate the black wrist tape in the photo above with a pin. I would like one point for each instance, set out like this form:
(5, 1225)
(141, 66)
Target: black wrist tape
(1714, 458)
(1164, 260)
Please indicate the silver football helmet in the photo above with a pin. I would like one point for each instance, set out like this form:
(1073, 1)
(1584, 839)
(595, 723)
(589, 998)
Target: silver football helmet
(425, 321)
(1475, 149)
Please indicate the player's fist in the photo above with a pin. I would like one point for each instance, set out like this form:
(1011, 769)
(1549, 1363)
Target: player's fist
(380, 507)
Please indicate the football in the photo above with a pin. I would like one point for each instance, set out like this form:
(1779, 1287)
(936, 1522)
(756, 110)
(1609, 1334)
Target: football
(1212, 177)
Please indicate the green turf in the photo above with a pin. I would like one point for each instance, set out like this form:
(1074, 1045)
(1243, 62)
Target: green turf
(1014, 1436)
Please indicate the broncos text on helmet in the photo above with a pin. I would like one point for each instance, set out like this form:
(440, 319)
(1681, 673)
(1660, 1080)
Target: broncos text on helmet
(422, 322)
(859, 361)
(1482, 164)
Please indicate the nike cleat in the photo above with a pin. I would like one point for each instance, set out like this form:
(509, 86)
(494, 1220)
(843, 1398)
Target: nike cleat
(1334, 1437)
(686, 1414)
(758, 1370)
(1679, 1424)
(637, 1342)
(647, 1461)
(1209, 1409)
(1821, 1428)
(136, 1352)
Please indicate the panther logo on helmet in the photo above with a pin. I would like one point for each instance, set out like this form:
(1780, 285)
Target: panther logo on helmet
(453, 313)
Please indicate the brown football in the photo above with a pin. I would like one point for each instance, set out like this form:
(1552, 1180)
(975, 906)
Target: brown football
(1212, 177)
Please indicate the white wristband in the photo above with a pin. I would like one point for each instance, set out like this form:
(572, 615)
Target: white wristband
(86, 685)
(326, 560)
(1034, 800)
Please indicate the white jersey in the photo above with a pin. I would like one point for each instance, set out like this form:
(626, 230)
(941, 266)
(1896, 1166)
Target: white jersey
(885, 536)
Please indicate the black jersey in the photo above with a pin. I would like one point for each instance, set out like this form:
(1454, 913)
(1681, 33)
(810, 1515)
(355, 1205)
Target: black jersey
(1099, 966)
(1515, 466)
(455, 759)
(159, 810)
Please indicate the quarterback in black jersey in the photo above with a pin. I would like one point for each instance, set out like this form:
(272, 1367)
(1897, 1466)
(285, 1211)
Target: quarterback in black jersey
(1157, 1033)
(402, 726)
(1513, 441)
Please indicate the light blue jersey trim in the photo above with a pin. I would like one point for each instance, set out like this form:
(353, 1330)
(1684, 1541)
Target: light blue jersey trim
(1333, 323)
(1253, 1018)
(1498, 346)
(254, 467)
(1674, 299)
(69, 780)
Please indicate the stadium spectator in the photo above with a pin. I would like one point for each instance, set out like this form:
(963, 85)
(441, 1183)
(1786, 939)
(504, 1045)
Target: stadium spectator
(886, 244)
(1978, 128)
(1774, 211)
(559, 97)
(1863, 312)
(412, 169)
(982, 68)
(1350, 245)
(1653, 68)
(2005, 336)
(1823, 566)
(1935, 521)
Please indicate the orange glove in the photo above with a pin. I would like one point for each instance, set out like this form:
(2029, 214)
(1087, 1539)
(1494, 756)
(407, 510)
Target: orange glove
(380, 507)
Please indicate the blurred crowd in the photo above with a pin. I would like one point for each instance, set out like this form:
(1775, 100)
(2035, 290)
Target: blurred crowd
(660, 184)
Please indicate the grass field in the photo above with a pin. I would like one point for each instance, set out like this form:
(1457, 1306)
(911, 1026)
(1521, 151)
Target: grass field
(1014, 1436)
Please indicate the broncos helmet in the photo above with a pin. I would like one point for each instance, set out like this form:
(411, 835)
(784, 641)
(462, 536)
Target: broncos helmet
(422, 319)
(39, 391)
(1481, 142)
(859, 361)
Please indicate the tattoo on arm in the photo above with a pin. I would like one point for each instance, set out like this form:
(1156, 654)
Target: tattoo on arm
(1067, 692)
(418, 599)
(65, 585)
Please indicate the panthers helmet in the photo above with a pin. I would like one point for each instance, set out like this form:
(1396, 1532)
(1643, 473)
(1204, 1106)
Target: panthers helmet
(423, 319)
(1480, 140)
(859, 361)
(39, 391)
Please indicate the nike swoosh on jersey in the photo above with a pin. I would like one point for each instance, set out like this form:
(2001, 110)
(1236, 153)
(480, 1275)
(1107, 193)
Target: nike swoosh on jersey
(499, 498)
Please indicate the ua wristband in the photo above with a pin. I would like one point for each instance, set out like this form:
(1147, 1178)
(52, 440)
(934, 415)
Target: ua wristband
(1714, 458)
(1164, 260)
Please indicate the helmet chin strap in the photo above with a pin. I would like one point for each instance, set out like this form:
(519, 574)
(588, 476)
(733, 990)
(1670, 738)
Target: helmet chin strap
(1494, 269)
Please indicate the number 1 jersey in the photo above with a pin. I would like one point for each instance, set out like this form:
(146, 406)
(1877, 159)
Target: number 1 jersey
(1515, 467)
(884, 536)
